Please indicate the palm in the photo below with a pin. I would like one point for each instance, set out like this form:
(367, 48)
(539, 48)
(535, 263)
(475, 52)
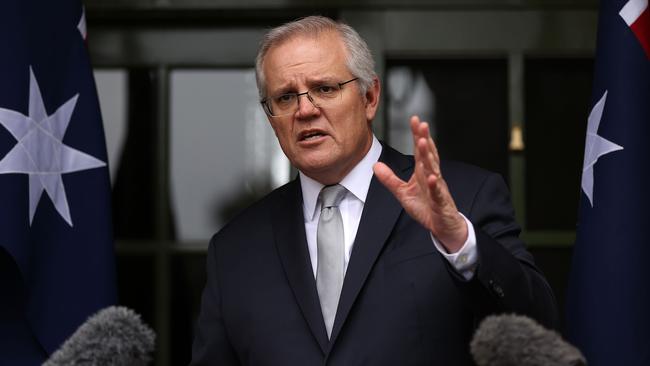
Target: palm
(417, 202)
(425, 196)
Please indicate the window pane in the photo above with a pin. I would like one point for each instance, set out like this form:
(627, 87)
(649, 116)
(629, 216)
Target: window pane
(557, 103)
(134, 194)
(223, 151)
(464, 100)
(113, 93)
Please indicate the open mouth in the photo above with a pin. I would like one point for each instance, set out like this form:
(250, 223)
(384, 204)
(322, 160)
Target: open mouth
(311, 135)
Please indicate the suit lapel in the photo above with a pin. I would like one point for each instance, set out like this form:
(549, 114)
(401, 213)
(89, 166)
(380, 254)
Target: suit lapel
(380, 213)
(291, 242)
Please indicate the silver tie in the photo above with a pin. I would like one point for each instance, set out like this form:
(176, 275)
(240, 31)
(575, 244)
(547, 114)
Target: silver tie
(330, 241)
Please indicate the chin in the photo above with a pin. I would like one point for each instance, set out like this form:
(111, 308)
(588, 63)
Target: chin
(317, 169)
(317, 158)
(314, 168)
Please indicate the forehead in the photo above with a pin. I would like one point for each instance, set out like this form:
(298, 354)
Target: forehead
(302, 58)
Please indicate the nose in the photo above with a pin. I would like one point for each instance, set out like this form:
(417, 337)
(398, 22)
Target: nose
(306, 108)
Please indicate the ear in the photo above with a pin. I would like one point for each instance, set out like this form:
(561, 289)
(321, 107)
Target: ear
(372, 99)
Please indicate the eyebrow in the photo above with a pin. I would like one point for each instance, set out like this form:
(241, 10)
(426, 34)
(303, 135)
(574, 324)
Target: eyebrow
(290, 87)
(324, 79)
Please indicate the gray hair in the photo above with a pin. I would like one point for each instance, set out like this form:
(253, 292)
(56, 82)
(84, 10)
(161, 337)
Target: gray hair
(359, 59)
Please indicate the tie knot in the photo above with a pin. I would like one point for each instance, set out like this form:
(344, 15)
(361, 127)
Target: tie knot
(331, 196)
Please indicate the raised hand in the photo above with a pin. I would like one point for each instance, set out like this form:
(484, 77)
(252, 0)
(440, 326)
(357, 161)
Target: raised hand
(425, 196)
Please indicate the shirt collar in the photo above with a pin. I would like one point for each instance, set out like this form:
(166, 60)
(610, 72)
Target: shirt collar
(356, 182)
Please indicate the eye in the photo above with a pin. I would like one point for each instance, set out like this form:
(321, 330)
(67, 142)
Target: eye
(284, 99)
(325, 90)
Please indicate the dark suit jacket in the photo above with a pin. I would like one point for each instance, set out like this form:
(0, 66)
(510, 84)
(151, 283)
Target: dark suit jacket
(401, 302)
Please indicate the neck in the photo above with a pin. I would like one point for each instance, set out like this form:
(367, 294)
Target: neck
(335, 174)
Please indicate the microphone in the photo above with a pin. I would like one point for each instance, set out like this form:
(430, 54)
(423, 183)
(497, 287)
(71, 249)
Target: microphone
(114, 336)
(509, 340)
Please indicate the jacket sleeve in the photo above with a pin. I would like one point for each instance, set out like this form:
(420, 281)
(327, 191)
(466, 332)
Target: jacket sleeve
(211, 345)
(506, 279)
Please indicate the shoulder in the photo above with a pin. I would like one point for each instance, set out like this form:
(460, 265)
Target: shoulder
(452, 170)
(463, 176)
(254, 222)
(464, 180)
(468, 183)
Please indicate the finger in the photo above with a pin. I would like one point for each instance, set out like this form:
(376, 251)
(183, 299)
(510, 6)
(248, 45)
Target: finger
(427, 154)
(436, 191)
(430, 147)
(434, 150)
(423, 130)
(386, 177)
(433, 163)
(415, 123)
(439, 193)
(421, 177)
(420, 131)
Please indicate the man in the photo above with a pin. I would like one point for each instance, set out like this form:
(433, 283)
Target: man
(345, 267)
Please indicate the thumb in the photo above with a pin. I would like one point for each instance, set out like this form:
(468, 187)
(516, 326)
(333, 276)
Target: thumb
(386, 176)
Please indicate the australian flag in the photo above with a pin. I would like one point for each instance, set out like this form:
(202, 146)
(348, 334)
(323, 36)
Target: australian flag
(608, 310)
(56, 249)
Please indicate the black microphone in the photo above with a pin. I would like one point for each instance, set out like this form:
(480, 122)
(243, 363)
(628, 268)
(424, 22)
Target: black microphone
(114, 336)
(514, 340)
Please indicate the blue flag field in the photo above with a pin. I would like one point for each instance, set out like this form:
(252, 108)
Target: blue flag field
(56, 248)
(608, 303)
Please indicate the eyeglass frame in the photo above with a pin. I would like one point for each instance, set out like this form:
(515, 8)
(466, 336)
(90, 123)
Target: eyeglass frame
(267, 109)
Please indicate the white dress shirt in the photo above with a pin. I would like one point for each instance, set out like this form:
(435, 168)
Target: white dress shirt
(357, 183)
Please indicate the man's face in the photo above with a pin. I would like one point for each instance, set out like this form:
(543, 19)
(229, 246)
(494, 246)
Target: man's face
(323, 143)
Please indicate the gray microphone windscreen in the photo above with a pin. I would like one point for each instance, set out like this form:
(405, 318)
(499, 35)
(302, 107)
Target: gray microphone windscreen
(114, 336)
(509, 340)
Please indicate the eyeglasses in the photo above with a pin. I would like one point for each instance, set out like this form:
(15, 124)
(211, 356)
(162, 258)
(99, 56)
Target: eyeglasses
(320, 96)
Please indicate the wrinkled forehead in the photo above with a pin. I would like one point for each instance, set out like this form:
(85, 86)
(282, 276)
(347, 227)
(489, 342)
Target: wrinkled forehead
(326, 38)
(301, 59)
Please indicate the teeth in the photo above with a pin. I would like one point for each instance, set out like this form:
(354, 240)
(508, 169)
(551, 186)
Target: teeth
(312, 136)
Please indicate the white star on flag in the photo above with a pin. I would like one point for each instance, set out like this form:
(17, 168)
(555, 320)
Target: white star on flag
(40, 152)
(632, 10)
(595, 147)
(82, 24)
